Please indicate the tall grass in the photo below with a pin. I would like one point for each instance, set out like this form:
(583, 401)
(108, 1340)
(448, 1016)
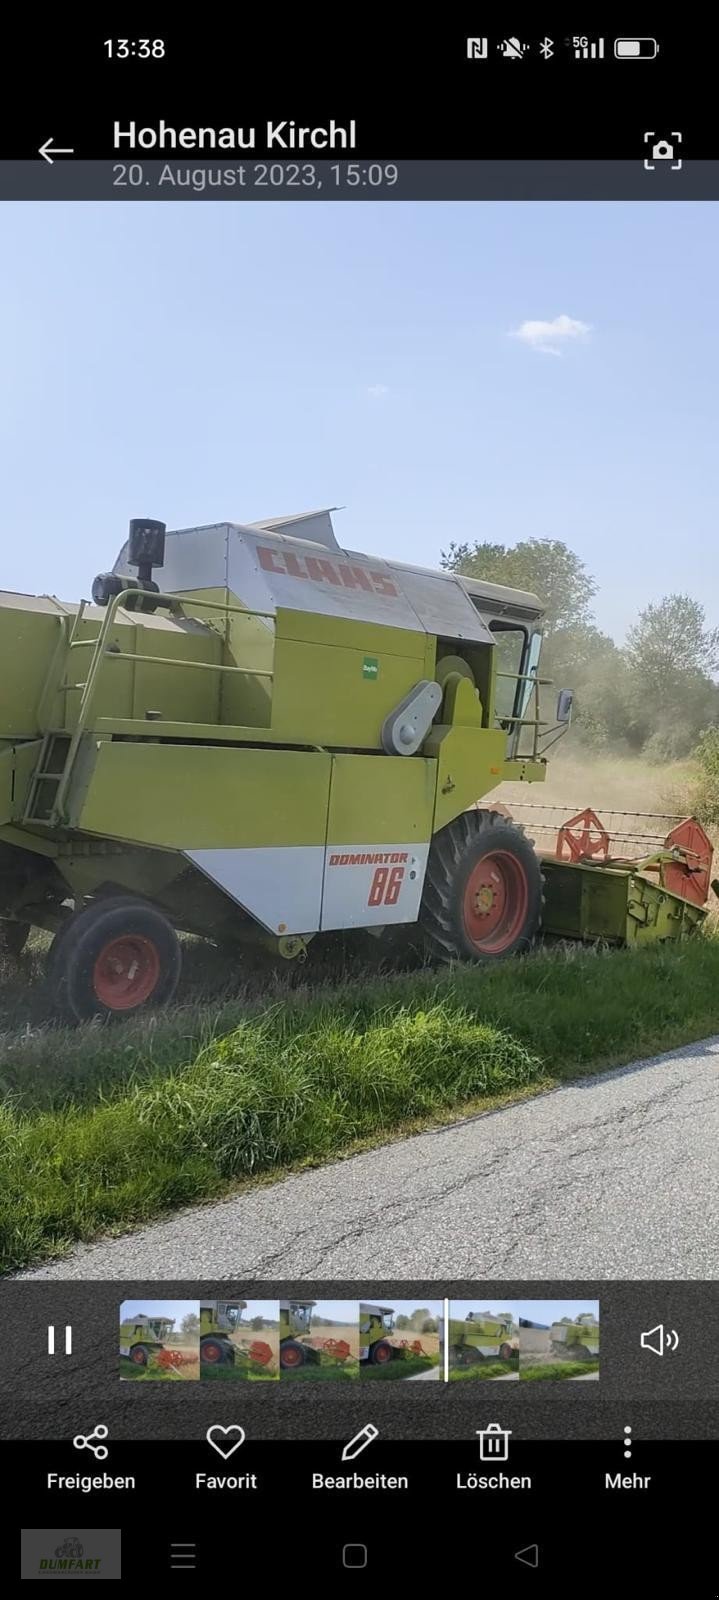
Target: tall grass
(275, 1091)
(102, 1128)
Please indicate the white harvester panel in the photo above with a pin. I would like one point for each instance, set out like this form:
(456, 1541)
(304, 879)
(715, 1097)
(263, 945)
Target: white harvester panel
(371, 886)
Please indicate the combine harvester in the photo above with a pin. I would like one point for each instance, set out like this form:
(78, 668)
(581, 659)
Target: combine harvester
(142, 1340)
(379, 1343)
(284, 739)
(299, 1346)
(482, 1336)
(577, 1340)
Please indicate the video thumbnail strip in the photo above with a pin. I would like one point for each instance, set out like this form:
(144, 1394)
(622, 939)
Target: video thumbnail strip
(301, 1340)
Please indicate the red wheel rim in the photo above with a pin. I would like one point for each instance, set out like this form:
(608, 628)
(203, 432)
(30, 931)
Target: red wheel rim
(211, 1352)
(139, 1358)
(292, 1357)
(382, 1354)
(495, 902)
(126, 972)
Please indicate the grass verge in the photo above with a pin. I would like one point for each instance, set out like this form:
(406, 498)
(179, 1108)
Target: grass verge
(407, 1367)
(563, 1369)
(485, 1369)
(104, 1128)
(238, 1374)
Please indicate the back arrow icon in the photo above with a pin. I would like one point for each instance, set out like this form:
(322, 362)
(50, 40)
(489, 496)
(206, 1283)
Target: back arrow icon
(48, 153)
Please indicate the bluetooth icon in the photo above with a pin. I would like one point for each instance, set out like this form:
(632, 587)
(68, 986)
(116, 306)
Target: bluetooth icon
(546, 48)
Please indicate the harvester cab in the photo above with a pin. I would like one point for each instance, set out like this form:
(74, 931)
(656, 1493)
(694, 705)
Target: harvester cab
(282, 739)
(295, 1329)
(376, 1325)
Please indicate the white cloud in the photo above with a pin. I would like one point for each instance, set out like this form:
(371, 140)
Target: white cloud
(377, 390)
(550, 337)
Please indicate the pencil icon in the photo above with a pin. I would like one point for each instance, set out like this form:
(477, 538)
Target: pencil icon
(360, 1442)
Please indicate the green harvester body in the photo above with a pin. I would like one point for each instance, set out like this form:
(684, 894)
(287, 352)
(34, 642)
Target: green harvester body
(482, 1336)
(577, 1340)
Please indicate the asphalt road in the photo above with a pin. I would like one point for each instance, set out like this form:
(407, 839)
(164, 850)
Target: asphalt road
(610, 1177)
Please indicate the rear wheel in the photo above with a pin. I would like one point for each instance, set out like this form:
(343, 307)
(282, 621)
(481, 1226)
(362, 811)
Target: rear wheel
(483, 891)
(139, 1356)
(506, 1352)
(380, 1353)
(113, 959)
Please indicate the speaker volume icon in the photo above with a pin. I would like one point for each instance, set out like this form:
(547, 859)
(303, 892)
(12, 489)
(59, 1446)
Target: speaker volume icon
(659, 1339)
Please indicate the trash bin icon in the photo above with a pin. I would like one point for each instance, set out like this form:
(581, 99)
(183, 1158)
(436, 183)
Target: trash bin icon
(493, 1442)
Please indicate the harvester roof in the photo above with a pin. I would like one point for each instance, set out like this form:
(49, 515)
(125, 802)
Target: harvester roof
(296, 563)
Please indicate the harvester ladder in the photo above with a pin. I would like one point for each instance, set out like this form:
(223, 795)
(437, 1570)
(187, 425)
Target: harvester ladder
(46, 777)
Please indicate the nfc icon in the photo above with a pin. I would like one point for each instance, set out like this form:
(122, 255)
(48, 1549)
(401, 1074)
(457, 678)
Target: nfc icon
(659, 1339)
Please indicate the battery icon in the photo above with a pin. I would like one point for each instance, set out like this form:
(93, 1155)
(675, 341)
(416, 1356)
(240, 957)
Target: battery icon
(635, 49)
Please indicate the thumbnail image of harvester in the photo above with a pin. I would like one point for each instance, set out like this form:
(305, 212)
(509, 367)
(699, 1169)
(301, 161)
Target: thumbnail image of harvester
(285, 739)
(578, 1340)
(301, 1344)
(143, 1337)
(219, 1321)
(379, 1343)
(482, 1336)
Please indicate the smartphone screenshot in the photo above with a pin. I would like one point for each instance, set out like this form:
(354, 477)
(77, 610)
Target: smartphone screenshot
(359, 806)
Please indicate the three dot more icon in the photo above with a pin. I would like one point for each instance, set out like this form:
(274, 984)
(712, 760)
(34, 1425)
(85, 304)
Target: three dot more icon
(628, 1444)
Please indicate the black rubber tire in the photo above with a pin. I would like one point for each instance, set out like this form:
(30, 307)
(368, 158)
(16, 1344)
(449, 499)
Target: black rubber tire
(13, 938)
(384, 1359)
(505, 1352)
(140, 1355)
(455, 853)
(297, 1354)
(226, 1355)
(79, 944)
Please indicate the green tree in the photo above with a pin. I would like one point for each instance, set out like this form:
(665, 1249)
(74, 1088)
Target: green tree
(670, 655)
(401, 1322)
(191, 1323)
(256, 1324)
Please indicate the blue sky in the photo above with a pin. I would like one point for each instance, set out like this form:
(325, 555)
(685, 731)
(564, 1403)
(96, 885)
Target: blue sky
(199, 361)
(176, 1309)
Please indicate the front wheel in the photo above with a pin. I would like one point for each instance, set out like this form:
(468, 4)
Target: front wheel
(216, 1354)
(483, 891)
(380, 1353)
(292, 1355)
(113, 959)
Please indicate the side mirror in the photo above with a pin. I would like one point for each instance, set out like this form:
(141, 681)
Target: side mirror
(565, 702)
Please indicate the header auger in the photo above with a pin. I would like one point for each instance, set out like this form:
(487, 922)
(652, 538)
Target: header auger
(282, 738)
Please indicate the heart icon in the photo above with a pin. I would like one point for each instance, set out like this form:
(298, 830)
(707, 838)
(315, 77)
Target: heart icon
(216, 1435)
